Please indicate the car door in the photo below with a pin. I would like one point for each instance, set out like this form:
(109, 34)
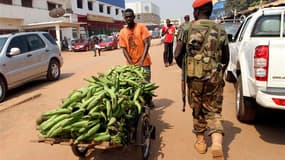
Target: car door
(17, 66)
(38, 55)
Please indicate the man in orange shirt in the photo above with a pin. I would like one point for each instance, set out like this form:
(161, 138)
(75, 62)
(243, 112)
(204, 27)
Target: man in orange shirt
(168, 32)
(134, 39)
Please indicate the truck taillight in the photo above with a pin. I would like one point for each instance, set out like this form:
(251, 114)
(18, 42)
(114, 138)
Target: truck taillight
(261, 63)
(279, 101)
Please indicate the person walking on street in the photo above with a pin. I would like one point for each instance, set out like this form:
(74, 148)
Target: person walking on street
(134, 40)
(96, 46)
(203, 67)
(186, 23)
(168, 32)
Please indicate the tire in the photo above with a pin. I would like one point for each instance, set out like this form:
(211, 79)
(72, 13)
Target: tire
(79, 151)
(245, 106)
(53, 72)
(230, 77)
(142, 133)
(3, 89)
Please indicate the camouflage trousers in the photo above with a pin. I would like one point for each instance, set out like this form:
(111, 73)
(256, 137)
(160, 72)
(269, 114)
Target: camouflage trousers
(206, 99)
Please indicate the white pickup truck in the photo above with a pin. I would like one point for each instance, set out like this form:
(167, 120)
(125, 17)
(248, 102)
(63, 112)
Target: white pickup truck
(257, 63)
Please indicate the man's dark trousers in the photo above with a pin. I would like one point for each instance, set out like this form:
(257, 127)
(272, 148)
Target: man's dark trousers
(168, 53)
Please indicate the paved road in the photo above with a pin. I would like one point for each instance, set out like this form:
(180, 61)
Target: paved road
(174, 140)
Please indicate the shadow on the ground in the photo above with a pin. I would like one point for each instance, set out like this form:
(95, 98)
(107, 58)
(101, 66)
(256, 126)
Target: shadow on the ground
(270, 125)
(32, 86)
(230, 132)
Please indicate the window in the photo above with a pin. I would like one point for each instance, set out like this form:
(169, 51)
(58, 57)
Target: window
(18, 42)
(243, 28)
(50, 38)
(79, 4)
(101, 8)
(268, 26)
(108, 9)
(27, 3)
(283, 25)
(35, 42)
(2, 42)
(51, 5)
(90, 5)
(6, 1)
(117, 11)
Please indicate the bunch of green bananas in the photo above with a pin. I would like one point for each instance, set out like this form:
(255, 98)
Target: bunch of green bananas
(101, 110)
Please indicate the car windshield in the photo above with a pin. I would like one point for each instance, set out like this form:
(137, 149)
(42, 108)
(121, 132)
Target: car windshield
(2, 42)
(108, 39)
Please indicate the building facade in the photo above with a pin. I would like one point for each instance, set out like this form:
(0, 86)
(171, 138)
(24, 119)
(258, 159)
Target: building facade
(81, 17)
(146, 12)
(176, 22)
(100, 16)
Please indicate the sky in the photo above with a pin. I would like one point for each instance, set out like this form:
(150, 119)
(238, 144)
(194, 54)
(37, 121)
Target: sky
(172, 8)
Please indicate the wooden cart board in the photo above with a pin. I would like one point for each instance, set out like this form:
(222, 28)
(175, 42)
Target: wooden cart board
(97, 145)
(144, 133)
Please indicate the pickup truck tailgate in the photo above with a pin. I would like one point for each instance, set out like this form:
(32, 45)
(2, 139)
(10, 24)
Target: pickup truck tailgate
(276, 69)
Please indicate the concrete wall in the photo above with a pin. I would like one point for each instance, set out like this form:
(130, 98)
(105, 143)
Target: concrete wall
(29, 15)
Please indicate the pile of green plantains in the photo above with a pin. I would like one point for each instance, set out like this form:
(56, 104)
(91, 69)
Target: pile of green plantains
(101, 111)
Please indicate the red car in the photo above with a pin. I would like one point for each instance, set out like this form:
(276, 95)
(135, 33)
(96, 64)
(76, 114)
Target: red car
(81, 45)
(109, 43)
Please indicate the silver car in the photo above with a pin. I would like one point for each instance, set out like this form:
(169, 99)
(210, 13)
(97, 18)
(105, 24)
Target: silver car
(27, 56)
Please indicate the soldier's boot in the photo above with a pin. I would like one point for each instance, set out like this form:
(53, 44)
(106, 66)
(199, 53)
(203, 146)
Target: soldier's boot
(217, 148)
(200, 144)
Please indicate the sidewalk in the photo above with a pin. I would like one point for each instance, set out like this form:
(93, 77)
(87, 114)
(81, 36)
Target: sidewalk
(19, 100)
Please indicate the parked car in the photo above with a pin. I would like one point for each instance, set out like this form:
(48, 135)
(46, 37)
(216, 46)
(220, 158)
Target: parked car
(82, 45)
(101, 36)
(109, 43)
(257, 63)
(27, 56)
(155, 34)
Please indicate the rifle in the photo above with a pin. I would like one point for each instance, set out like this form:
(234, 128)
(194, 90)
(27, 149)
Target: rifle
(184, 81)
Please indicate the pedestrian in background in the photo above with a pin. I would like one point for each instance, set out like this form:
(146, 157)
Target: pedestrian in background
(135, 39)
(168, 32)
(186, 22)
(204, 64)
(96, 46)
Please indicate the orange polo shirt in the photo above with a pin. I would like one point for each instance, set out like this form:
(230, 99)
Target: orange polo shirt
(133, 41)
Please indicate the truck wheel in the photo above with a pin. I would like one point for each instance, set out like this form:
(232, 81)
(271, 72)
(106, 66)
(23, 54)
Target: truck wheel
(53, 72)
(230, 77)
(3, 89)
(245, 106)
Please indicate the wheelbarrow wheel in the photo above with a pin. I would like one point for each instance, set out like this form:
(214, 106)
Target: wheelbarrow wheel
(79, 151)
(143, 136)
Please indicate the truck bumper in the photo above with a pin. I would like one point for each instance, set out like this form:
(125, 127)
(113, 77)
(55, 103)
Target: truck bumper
(265, 100)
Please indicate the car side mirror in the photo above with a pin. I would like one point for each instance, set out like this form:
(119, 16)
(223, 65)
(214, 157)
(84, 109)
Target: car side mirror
(14, 51)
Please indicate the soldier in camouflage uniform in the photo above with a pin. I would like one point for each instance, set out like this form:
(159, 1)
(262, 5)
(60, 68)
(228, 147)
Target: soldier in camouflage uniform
(205, 83)
(185, 25)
